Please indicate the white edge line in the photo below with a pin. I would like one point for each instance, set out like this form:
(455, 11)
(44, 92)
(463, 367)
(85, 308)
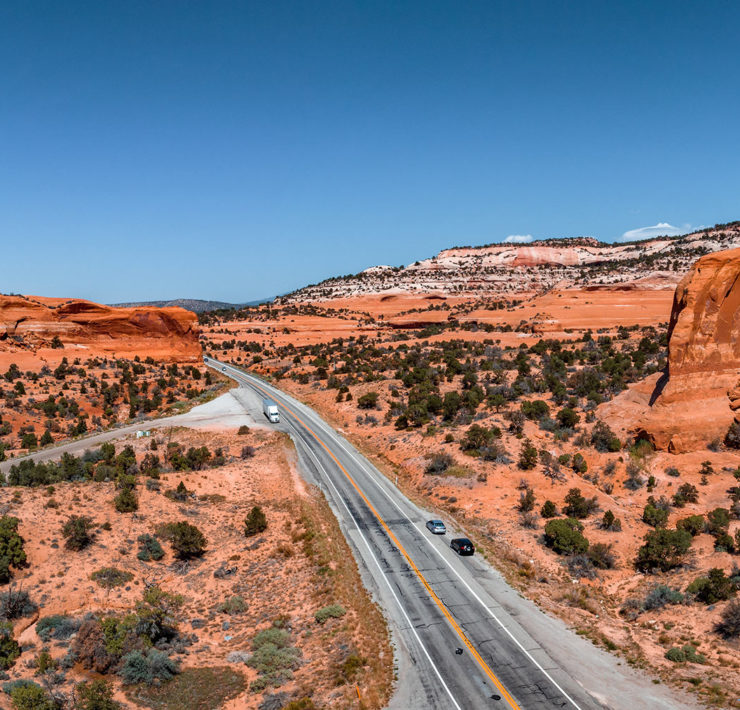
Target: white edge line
(385, 576)
(446, 561)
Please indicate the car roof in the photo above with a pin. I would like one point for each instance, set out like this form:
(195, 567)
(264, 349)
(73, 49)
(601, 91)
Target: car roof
(463, 540)
(436, 522)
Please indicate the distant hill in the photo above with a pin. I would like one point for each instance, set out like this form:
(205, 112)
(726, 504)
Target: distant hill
(505, 268)
(195, 305)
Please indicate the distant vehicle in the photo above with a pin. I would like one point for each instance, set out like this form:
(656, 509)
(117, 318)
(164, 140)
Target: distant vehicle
(437, 527)
(205, 359)
(223, 369)
(462, 546)
(270, 410)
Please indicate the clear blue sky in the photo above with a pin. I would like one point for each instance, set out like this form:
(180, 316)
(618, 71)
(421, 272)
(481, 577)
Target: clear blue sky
(235, 150)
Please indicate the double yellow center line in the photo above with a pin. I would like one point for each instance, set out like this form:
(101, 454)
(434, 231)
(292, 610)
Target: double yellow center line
(474, 652)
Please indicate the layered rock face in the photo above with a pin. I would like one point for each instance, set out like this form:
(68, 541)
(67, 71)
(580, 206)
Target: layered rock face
(695, 402)
(31, 323)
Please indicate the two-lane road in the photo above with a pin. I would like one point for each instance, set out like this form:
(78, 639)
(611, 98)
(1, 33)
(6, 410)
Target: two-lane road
(466, 651)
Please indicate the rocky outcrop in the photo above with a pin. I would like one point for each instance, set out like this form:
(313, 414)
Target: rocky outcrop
(32, 323)
(534, 267)
(695, 401)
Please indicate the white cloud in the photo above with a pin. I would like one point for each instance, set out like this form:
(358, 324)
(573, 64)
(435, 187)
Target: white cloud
(518, 239)
(662, 229)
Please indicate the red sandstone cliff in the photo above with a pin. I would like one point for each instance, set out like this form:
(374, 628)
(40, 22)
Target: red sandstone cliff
(694, 402)
(30, 323)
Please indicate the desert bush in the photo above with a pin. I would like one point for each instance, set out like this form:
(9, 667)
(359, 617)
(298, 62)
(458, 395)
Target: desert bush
(686, 493)
(662, 595)
(77, 532)
(723, 542)
(718, 521)
(243, 430)
(477, 437)
(610, 522)
(693, 524)
(526, 500)
(535, 410)
(57, 627)
(580, 567)
(601, 556)
(247, 452)
(147, 667)
(568, 418)
(255, 522)
(654, 515)
(634, 479)
(577, 506)
(528, 456)
(687, 653)
(549, 509)
(368, 401)
(563, 535)
(673, 472)
(715, 587)
(187, 540)
(732, 438)
(179, 493)
(126, 500)
(149, 548)
(12, 553)
(438, 464)
(95, 695)
(110, 577)
(273, 658)
(31, 697)
(603, 439)
(333, 611)
(16, 604)
(729, 624)
(9, 647)
(233, 605)
(664, 549)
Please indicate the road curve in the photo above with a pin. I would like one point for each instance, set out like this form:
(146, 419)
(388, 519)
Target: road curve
(466, 652)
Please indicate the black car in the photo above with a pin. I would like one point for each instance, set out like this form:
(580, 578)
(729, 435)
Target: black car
(462, 546)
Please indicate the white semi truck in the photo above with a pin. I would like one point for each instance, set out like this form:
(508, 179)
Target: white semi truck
(270, 410)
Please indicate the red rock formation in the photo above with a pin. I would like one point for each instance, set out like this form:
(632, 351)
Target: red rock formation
(30, 323)
(696, 400)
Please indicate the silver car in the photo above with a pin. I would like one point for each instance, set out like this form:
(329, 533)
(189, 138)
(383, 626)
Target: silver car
(437, 527)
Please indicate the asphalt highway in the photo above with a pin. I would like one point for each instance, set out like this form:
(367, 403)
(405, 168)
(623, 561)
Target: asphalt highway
(465, 651)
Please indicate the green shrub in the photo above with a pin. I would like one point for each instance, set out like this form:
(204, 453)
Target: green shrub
(9, 648)
(729, 624)
(653, 515)
(676, 655)
(77, 532)
(549, 510)
(686, 494)
(233, 605)
(31, 697)
(15, 604)
(368, 401)
(662, 595)
(126, 501)
(95, 695)
(273, 658)
(255, 522)
(718, 521)
(149, 548)
(693, 524)
(610, 522)
(12, 553)
(664, 549)
(577, 506)
(110, 577)
(57, 627)
(715, 587)
(333, 611)
(563, 535)
(603, 439)
(187, 540)
(147, 667)
(528, 456)
(601, 556)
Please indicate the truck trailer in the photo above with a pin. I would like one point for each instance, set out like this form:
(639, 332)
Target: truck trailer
(270, 410)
